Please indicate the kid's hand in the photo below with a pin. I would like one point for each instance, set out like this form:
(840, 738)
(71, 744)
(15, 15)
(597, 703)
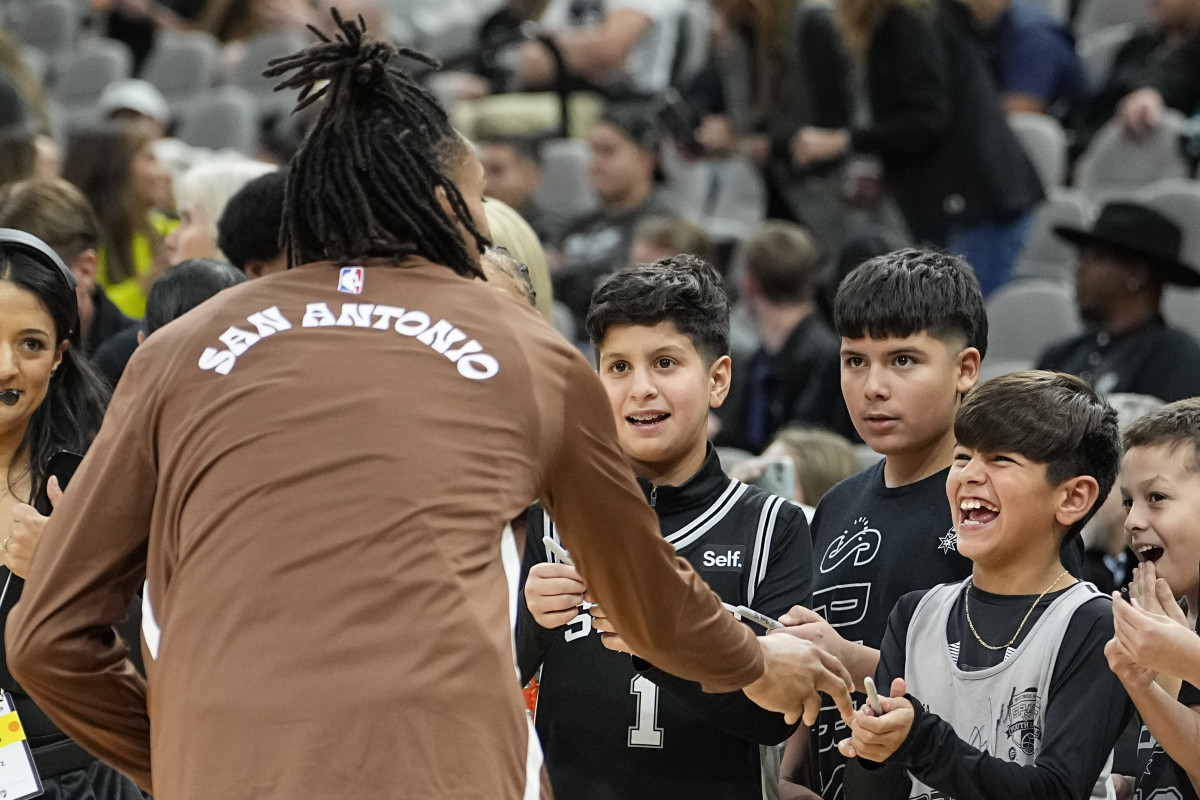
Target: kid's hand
(806, 624)
(1132, 675)
(553, 593)
(608, 635)
(1154, 593)
(1157, 642)
(877, 738)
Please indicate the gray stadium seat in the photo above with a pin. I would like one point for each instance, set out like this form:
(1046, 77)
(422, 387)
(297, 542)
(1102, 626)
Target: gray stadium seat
(1096, 15)
(994, 367)
(1044, 254)
(182, 65)
(1097, 51)
(222, 118)
(566, 190)
(1045, 143)
(83, 74)
(258, 51)
(50, 25)
(1027, 315)
(1181, 307)
(726, 197)
(1178, 199)
(1116, 164)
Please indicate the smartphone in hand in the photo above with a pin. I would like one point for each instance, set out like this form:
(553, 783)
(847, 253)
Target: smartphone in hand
(61, 465)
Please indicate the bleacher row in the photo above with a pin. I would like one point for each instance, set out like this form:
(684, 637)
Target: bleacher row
(218, 107)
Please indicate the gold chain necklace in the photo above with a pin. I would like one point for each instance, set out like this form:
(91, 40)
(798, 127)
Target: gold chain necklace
(1020, 627)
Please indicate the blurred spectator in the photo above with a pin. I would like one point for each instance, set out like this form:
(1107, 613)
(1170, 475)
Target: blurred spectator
(622, 47)
(57, 213)
(622, 171)
(136, 102)
(777, 66)
(117, 171)
(21, 97)
(201, 197)
(955, 168)
(795, 374)
(1159, 67)
(17, 157)
(176, 292)
(514, 173)
(821, 459)
(510, 231)
(1124, 260)
(665, 236)
(1032, 57)
(248, 228)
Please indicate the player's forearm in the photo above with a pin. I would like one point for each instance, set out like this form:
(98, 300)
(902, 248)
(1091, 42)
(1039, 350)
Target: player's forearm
(1174, 725)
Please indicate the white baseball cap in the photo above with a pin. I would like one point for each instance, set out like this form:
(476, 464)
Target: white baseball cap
(134, 94)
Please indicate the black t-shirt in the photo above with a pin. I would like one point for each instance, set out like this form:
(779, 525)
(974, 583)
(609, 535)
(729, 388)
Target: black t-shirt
(872, 546)
(1086, 707)
(1159, 777)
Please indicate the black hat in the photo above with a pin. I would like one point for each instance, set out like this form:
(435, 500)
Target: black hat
(1140, 230)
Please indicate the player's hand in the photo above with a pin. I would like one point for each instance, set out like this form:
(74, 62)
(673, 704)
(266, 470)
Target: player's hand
(1140, 112)
(608, 634)
(876, 738)
(553, 593)
(26, 531)
(795, 673)
(1133, 676)
(1158, 642)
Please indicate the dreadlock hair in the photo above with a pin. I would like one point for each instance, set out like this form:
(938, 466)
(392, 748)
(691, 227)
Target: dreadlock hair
(363, 183)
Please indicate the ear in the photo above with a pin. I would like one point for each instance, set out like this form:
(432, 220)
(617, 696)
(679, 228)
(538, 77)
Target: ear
(254, 268)
(1076, 496)
(444, 201)
(719, 375)
(84, 268)
(141, 337)
(968, 369)
(59, 352)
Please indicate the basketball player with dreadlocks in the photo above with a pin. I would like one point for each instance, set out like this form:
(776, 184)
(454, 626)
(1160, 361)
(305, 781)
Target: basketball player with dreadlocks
(316, 469)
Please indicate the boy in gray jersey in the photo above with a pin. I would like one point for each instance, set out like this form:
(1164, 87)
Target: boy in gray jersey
(999, 686)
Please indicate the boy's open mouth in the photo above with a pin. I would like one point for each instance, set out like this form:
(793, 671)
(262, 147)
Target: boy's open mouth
(979, 512)
(1149, 552)
(645, 420)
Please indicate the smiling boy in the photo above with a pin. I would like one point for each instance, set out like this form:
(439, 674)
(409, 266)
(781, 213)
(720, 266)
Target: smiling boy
(913, 330)
(612, 727)
(1154, 651)
(999, 684)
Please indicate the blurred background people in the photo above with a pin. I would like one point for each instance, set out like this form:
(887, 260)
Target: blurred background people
(201, 196)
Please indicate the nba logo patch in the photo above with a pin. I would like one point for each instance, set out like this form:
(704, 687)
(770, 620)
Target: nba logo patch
(350, 280)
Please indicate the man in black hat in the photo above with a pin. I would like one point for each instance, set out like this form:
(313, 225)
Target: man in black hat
(1123, 263)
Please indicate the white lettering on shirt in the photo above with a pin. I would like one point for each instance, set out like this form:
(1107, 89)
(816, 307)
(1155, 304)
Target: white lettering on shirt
(443, 336)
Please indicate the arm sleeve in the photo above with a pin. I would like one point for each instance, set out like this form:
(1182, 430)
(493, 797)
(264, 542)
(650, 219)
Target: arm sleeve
(532, 639)
(869, 778)
(1084, 696)
(663, 609)
(918, 85)
(788, 583)
(88, 566)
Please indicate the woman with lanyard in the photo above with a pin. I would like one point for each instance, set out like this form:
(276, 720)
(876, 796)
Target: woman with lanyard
(50, 401)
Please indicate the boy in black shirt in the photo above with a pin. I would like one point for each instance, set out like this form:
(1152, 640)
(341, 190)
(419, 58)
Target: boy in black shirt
(999, 685)
(913, 330)
(612, 727)
(1155, 652)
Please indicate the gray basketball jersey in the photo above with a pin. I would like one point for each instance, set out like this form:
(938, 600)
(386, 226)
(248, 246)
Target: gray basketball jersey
(999, 710)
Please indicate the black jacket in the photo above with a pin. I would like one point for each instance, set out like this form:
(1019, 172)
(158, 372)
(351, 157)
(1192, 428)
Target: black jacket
(949, 155)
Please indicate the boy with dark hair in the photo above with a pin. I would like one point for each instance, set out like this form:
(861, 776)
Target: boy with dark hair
(1154, 651)
(999, 685)
(248, 230)
(913, 331)
(616, 728)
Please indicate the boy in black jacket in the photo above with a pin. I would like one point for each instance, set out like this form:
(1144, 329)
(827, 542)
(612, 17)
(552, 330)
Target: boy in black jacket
(616, 727)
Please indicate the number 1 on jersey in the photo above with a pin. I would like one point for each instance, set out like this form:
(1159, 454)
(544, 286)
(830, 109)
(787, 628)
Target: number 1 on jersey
(646, 732)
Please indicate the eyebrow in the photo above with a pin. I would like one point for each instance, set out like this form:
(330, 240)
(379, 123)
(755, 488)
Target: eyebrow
(33, 330)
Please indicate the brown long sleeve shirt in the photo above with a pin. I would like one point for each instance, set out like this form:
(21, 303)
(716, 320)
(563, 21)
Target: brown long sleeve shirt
(313, 484)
